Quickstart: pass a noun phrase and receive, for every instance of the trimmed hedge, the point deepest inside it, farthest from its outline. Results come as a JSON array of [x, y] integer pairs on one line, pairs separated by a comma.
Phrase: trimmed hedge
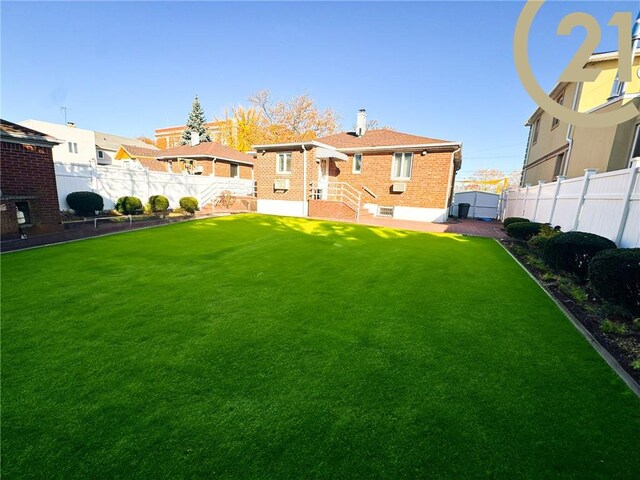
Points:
[[158, 203], [189, 204], [572, 251], [509, 220], [538, 243], [523, 230], [85, 203], [129, 205], [615, 277]]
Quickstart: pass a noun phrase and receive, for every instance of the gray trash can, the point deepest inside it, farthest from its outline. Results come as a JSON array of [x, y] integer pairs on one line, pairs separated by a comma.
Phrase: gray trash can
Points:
[[463, 210]]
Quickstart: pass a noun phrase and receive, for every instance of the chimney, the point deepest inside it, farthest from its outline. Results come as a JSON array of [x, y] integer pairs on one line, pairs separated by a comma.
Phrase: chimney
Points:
[[361, 122], [71, 124], [195, 138]]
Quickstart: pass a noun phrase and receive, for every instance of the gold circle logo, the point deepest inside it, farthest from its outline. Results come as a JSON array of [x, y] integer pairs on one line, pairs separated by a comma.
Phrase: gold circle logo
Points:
[[521, 58]]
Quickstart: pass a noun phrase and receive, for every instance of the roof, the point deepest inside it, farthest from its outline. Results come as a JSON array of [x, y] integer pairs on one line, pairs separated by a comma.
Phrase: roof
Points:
[[136, 151], [378, 138], [206, 149], [108, 141], [12, 132]]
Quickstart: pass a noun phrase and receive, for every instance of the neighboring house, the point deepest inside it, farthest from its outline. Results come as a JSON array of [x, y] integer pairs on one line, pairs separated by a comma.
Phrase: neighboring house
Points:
[[556, 148], [27, 181], [348, 175], [83, 146], [168, 137], [206, 158]]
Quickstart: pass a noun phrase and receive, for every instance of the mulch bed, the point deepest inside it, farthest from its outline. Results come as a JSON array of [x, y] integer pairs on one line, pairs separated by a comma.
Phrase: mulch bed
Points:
[[625, 348]]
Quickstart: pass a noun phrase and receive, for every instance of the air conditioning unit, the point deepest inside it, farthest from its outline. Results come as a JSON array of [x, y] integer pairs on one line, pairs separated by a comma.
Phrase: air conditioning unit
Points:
[[399, 187], [281, 184]]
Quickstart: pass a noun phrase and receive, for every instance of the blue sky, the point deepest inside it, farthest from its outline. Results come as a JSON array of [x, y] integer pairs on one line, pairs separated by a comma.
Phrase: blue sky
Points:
[[439, 69]]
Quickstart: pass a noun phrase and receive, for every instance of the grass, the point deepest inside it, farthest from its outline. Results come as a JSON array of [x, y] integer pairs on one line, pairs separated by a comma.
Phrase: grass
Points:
[[266, 347]]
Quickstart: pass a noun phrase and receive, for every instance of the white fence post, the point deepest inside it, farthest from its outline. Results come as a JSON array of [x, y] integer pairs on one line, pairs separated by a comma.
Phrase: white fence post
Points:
[[588, 172], [535, 207], [559, 181], [526, 197], [627, 199]]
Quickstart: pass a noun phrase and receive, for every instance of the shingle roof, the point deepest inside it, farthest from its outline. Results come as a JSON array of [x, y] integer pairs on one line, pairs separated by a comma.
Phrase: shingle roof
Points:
[[377, 138], [24, 134], [208, 149], [136, 151]]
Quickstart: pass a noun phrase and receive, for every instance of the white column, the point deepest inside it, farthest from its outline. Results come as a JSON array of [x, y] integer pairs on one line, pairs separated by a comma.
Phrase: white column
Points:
[[588, 172], [631, 181], [535, 208], [559, 180]]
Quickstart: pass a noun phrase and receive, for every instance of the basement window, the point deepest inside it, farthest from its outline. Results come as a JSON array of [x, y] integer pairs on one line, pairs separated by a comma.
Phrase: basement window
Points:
[[385, 211]]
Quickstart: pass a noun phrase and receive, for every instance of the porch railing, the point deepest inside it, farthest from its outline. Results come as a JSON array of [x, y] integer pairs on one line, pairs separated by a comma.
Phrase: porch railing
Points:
[[338, 192]]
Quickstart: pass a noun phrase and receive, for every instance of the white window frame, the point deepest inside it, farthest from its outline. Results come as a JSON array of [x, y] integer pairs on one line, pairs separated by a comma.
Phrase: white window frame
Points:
[[70, 145], [633, 144], [560, 101], [359, 170], [283, 171], [393, 165], [237, 167], [100, 154]]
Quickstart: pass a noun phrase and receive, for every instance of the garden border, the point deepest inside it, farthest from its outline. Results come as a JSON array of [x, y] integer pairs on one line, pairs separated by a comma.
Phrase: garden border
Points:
[[597, 346]]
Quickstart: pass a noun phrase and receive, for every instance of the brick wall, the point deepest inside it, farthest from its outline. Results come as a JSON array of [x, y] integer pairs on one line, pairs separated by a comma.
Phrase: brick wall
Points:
[[265, 176], [223, 169], [28, 170], [329, 209], [427, 188]]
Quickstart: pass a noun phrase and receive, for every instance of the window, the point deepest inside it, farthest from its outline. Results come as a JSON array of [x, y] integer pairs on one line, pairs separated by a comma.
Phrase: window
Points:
[[283, 163], [357, 163], [557, 170], [100, 154], [73, 147], [635, 146], [560, 100], [234, 170], [401, 168], [536, 130]]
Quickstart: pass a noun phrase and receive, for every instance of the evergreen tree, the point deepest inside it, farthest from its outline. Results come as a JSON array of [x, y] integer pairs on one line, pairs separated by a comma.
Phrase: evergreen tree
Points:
[[195, 122]]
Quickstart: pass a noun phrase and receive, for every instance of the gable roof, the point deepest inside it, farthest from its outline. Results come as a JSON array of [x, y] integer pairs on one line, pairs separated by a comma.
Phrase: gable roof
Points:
[[206, 149], [14, 133], [108, 141], [379, 138]]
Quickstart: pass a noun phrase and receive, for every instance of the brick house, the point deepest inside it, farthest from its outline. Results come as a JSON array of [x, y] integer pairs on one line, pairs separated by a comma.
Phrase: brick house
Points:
[[353, 174], [27, 181], [206, 158]]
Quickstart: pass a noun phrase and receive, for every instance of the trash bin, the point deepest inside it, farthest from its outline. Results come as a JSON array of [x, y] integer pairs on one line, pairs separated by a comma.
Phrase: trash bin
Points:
[[463, 210]]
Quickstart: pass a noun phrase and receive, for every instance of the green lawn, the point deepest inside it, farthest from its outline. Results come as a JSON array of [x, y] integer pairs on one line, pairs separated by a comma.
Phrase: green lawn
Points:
[[266, 347]]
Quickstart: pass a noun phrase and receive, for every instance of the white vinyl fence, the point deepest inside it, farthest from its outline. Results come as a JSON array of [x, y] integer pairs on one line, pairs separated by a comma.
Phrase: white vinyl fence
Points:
[[114, 182], [607, 204]]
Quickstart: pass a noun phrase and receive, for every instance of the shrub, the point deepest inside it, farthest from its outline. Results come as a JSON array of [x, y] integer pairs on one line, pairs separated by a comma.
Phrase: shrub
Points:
[[158, 204], [509, 220], [129, 205], [85, 203], [189, 204], [608, 326], [615, 276], [523, 230], [538, 242], [573, 251]]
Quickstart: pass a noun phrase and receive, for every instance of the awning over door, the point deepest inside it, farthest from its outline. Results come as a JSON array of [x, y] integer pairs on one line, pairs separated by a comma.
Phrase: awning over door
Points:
[[322, 152]]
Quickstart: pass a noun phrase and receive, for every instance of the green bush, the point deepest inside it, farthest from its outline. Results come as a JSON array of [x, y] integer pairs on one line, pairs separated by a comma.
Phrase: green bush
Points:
[[615, 277], [158, 204], [189, 204], [129, 205], [523, 230], [85, 203], [509, 220], [572, 251], [538, 242]]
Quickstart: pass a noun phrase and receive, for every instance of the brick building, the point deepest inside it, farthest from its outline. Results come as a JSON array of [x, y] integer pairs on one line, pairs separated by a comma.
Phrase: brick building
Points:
[[169, 137], [27, 181], [354, 174]]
